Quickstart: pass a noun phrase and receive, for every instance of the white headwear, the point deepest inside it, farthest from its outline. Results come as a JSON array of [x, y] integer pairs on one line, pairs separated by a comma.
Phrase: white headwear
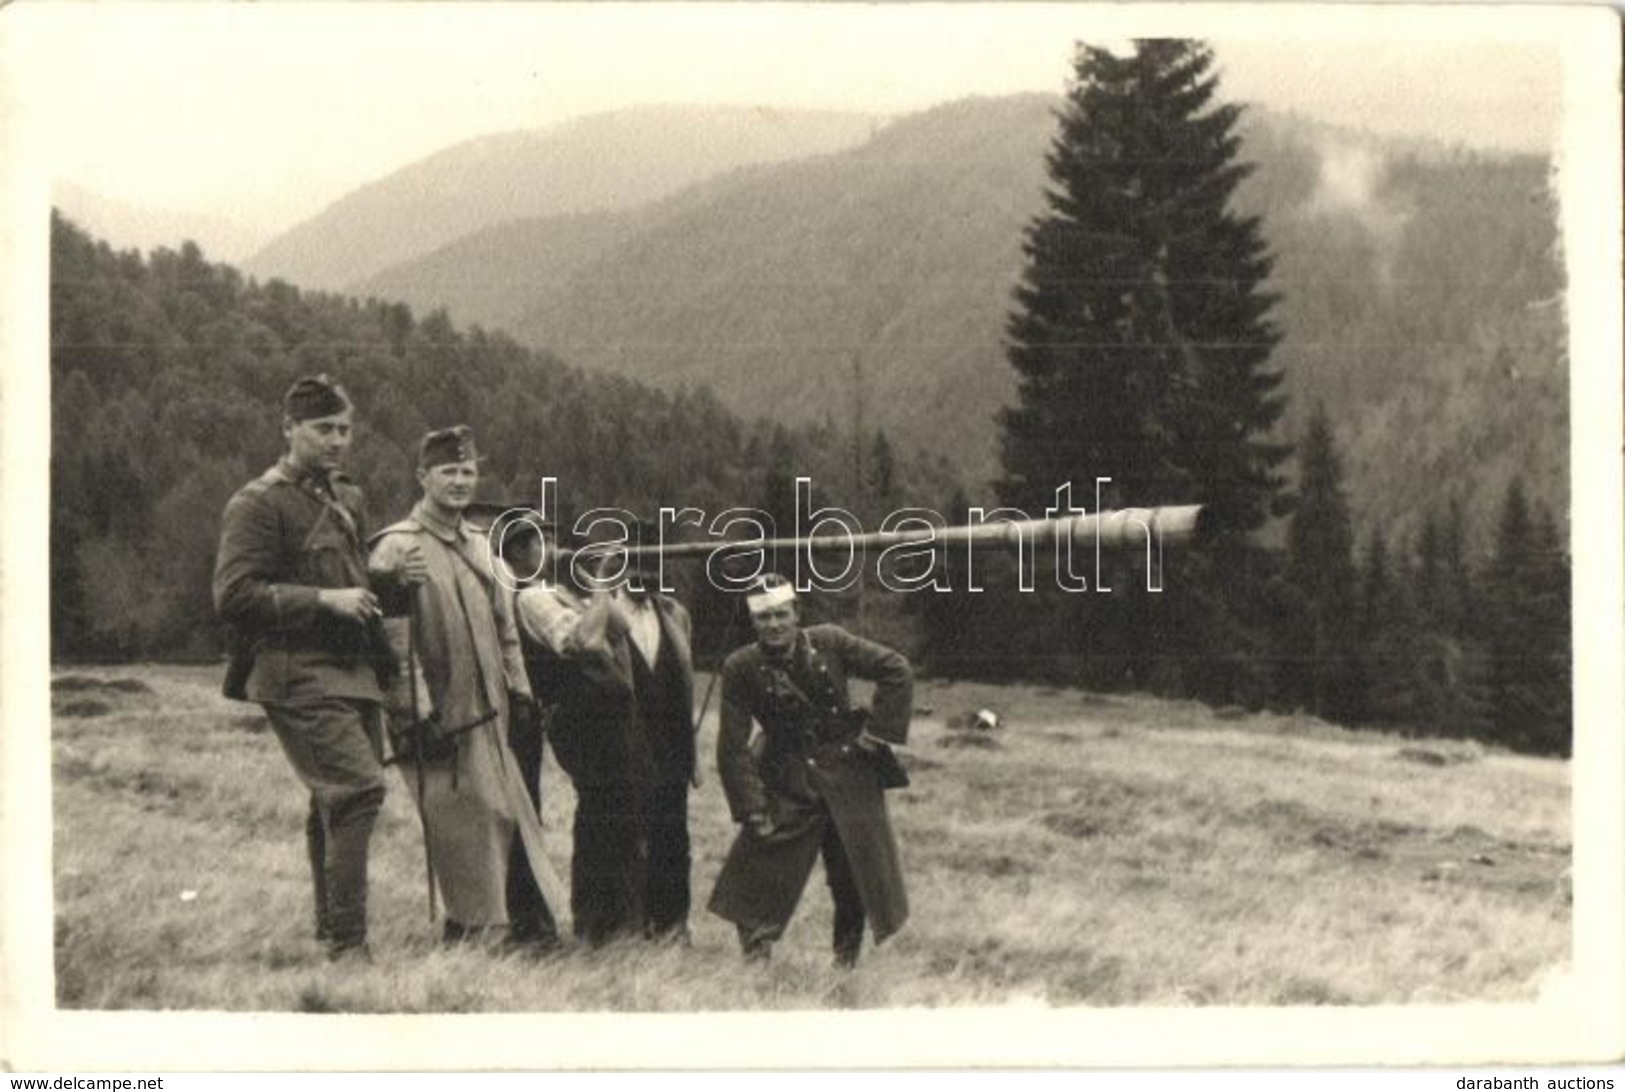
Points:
[[773, 592]]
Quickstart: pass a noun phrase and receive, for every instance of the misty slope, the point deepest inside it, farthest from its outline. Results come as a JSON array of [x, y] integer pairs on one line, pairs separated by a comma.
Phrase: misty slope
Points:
[[767, 282], [900, 253], [1422, 302], [1418, 291], [494, 277], [604, 161], [142, 227]]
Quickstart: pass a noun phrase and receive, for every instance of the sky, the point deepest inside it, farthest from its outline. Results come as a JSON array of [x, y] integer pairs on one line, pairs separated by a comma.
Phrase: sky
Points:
[[264, 113]]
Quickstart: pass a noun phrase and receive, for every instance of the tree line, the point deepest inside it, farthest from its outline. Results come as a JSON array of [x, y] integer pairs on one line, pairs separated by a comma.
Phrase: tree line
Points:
[[1143, 341], [167, 376], [1142, 338]]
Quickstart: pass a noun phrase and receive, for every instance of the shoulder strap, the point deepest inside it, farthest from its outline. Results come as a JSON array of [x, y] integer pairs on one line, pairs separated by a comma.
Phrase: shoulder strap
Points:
[[343, 515], [403, 527], [817, 669], [486, 578]]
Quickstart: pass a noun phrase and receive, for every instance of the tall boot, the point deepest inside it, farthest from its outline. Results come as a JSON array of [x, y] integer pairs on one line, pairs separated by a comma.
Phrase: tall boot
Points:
[[348, 833], [848, 941], [843, 890], [756, 941], [316, 850]]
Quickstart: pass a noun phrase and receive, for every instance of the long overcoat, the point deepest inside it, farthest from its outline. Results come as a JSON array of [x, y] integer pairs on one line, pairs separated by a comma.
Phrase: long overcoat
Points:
[[809, 772], [468, 662]]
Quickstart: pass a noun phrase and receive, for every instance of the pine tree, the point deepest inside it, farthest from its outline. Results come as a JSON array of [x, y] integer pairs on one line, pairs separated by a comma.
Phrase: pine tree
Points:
[[1513, 689], [1450, 692], [1320, 565], [1527, 620], [1140, 346], [1550, 578], [1457, 604], [1393, 638], [1428, 576], [166, 381], [1528, 630], [882, 490], [1140, 341], [1375, 614], [946, 622]]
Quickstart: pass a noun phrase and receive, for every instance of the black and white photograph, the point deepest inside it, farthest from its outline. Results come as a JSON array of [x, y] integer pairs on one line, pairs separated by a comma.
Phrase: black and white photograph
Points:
[[564, 536]]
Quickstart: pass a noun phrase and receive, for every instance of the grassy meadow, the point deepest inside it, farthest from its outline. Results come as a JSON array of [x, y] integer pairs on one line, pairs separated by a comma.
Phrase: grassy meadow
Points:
[[1093, 850]]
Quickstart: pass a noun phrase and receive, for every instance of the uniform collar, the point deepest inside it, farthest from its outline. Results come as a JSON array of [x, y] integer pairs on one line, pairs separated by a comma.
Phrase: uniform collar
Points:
[[794, 654], [297, 476], [439, 528]]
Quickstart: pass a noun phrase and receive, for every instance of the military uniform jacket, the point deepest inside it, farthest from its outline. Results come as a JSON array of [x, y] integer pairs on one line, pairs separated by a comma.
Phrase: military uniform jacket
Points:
[[283, 539], [819, 665], [810, 772]]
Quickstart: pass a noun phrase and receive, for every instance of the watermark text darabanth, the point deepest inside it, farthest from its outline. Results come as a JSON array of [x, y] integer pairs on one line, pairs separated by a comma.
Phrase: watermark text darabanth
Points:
[[828, 545]]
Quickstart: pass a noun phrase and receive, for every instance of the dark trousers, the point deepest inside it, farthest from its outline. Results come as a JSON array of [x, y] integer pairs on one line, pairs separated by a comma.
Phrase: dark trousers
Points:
[[667, 863], [843, 889], [789, 861], [529, 920], [335, 746], [629, 873]]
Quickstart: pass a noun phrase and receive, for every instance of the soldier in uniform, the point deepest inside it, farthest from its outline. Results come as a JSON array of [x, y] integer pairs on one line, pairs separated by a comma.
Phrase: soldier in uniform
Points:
[[816, 786], [452, 628], [290, 580]]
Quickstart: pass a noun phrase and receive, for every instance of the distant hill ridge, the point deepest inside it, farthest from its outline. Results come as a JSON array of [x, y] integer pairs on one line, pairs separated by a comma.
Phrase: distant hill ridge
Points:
[[1420, 284], [604, 161], [768, 281], [1418, 287]]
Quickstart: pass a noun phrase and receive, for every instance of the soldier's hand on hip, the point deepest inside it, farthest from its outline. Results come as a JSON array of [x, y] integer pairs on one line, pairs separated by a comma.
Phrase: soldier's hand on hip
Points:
[[356, 604], [760, 823]]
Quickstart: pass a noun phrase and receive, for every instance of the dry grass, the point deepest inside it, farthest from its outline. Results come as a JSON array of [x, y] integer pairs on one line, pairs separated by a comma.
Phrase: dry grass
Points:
[[1092, 851]]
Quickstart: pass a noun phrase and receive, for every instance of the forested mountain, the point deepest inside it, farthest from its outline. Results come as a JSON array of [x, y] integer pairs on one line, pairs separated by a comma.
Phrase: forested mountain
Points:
[[600, 162], [1419, 294], [167, 374], [856, 304], [900, 253], [1422, 303], [494, 276]]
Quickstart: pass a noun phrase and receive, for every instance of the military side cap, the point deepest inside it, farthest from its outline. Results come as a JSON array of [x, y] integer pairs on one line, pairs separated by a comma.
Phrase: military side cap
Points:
[[314, 396], [447, 445]]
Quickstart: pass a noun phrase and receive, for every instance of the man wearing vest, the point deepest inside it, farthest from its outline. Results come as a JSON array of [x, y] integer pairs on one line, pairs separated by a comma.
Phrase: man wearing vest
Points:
[[617, 664], [461, 679], [816, 786], [290, 580]]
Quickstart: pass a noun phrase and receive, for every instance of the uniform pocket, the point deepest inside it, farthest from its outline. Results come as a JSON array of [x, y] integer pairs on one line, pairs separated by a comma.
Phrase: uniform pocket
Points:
[[327, 560]]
